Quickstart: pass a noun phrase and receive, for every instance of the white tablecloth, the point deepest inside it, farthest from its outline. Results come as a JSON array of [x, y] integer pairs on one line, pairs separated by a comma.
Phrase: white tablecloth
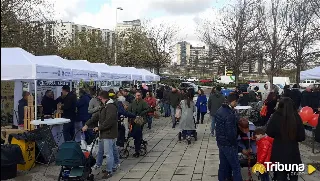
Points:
[[57, 127]]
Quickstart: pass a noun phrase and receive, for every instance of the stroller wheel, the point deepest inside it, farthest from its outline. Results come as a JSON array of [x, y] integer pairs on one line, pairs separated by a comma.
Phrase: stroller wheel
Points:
[[143, 150], [179, 136], [91, 177], [124, 153], [189, 141]]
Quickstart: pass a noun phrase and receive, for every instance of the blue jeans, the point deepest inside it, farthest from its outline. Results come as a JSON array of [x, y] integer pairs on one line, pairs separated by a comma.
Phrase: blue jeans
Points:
[[100, 154], [166, 109], [173, 116], [264, 177], [112, 154], [229, 161], [212, 125], [149, 120]]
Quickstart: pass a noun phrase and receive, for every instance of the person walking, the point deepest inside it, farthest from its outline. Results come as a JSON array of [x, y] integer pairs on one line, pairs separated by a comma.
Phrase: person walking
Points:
[[201, 106], [22, 103], [226, 136], [108, 129], [166, 95], [140, 108], [215, 101], [174, 101], [68, 107], [270, 103], [48, 103], [187, 124], [286, 127], [295, 95], [152, 102], [82, 114]]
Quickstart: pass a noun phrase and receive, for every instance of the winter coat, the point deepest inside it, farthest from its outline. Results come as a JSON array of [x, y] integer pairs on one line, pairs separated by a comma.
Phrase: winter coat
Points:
[[107, 118], [166, 96], [202, 103], [174, 99], [152, 102], [159, 94], [226, 126], [252, 96], [21, 105], [82, 108], [271, 105], [69, 106], [284, 151], [123, 112], [306, 99], [215, 101], [49, 105], [139, 108], [264, 148], [186, 120], [295, 95], [129, 98]]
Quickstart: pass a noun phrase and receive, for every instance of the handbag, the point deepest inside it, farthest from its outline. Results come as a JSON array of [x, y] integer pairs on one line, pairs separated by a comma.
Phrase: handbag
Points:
[[264, 110], [139, 121], [178, 113]]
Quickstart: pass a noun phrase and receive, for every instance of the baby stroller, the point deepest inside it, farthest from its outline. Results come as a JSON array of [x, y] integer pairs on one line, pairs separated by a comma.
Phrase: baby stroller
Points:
[[125, 151], [188, 134], [75, 164]]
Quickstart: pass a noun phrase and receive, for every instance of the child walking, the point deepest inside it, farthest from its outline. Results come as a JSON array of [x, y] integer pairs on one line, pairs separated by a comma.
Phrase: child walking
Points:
[[264, 148]]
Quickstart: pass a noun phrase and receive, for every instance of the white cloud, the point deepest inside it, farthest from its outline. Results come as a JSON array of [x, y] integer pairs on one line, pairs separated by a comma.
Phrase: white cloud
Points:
[[72, 10]]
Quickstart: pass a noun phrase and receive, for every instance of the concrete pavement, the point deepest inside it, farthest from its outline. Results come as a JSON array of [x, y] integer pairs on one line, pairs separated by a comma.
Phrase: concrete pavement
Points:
[[169, 160]]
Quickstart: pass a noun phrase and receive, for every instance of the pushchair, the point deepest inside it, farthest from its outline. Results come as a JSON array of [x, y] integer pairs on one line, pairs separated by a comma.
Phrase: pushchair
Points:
[[125, 151], [192, 133], [75, 163]]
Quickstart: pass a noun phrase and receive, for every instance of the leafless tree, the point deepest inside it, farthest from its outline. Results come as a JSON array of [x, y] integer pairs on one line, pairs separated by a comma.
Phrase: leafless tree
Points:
[[23, 24], [233, 37], [275, 30], [159, 40], [305, 34]]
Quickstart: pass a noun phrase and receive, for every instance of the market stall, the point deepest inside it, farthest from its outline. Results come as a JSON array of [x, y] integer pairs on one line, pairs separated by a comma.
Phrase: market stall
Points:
[[313, 74]]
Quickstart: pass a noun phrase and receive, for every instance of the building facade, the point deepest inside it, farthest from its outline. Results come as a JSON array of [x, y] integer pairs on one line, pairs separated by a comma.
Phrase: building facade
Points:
[[182, 53], [128, 26], [198, 56]]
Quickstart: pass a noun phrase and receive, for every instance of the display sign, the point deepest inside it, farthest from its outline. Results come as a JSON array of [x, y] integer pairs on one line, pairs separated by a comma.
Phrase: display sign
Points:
[[52, 83]]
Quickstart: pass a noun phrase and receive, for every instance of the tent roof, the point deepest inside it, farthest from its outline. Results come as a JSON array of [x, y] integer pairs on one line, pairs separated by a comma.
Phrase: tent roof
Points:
[[311, 74], [18, 64]]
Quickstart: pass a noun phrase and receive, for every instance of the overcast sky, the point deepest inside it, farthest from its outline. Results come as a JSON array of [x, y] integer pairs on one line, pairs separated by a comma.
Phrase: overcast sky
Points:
[[102, 13]]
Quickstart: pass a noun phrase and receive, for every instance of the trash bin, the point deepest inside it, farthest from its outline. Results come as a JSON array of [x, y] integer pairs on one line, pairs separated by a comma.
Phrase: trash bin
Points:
[[11, 155]]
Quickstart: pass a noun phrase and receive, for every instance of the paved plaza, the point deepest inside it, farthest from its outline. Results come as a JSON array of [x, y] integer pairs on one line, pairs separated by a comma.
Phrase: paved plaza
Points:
[[170, 160]]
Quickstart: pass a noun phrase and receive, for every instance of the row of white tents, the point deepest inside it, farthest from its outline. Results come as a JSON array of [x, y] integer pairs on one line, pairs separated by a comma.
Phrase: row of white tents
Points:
[[18, 64]]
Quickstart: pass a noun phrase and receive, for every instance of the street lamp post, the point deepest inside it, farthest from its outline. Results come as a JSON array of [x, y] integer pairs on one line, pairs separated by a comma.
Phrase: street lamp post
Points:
[[116, 35]]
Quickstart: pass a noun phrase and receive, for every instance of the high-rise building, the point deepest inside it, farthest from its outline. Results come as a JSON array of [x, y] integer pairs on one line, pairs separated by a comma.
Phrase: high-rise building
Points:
[[182, 53], [66, 31], [198, 55], [128, 26]]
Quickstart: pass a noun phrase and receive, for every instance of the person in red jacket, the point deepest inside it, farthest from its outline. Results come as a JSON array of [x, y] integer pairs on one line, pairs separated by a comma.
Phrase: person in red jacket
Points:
[[152, 102], [264, 148]]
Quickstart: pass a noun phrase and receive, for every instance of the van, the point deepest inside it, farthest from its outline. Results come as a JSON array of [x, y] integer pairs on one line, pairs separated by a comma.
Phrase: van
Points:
[[307, 83]]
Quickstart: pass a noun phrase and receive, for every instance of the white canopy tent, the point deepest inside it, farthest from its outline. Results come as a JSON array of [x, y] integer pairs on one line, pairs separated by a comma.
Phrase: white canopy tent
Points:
[[18, 64], [54, 60], [148, 76], [86, 67], [104, 71], [135, 73], [310, 74], [119, 74]]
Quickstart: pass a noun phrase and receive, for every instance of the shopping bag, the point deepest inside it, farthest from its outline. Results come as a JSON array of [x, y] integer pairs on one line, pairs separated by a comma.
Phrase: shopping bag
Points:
[[95, 148], [178, 113]]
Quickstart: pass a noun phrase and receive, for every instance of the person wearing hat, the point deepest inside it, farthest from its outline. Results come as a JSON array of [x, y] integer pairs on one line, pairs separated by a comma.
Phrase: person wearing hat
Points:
[[226, 136]]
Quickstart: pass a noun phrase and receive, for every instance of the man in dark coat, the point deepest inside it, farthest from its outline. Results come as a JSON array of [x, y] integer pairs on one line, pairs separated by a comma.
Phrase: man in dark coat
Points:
[[48, 103], [215, 101], [226, 136], [69, 112], [295, 95], [83, 114], [22, 103], [174, 101], [166, 104]]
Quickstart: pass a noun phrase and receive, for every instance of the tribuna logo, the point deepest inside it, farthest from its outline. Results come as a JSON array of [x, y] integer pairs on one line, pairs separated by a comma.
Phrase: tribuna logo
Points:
[[278, 167]]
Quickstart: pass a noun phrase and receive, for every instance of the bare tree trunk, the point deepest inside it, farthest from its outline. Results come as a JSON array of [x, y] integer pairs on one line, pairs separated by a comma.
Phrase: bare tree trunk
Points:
[[298, 72]]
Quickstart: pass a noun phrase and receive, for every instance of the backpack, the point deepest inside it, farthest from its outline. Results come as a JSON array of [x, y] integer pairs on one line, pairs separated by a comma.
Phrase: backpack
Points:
[[264, 110]]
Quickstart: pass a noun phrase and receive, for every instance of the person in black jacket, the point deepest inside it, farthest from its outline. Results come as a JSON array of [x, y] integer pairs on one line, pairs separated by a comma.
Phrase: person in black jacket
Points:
[[271, 103], [22, 103], [48, 103], [69, 112], [295, 95], [226, 136], [286, 127]]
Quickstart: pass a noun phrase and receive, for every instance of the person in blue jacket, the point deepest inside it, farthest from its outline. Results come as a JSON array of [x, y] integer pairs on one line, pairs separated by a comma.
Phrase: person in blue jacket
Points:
[[122, 114], [201, 106], [82, 112]]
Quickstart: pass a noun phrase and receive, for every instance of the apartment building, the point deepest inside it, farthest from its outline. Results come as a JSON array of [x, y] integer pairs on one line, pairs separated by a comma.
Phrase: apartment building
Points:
[[182, 53], [128, 26], [198, 55]]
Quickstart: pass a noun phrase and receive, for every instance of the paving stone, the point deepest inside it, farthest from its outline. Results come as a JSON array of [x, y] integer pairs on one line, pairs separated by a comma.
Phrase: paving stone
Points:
[[148, 160], [163, 175], [181, 177], [135, 174], [196, 176], [142, 166], [187, 163], [184, 170], [209, 178], [154, 154]]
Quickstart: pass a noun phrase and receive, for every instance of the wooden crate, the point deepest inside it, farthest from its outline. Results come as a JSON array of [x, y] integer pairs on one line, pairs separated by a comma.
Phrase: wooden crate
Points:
[[30, 100], [28, 117]]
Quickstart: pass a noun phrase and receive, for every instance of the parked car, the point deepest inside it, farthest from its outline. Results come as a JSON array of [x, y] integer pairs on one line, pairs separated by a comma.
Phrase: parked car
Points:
[[187, 85], [192, 79], [307, 83]]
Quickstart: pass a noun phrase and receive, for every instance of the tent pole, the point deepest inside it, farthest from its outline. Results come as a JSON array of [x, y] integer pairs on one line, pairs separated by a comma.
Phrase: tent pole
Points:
[[35, 100]]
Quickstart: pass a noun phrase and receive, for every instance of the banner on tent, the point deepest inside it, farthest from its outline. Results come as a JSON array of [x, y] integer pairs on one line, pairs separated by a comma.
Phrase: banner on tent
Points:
[[136, 77], [52, 83], [149, 78], [106, 76], [121, 77]]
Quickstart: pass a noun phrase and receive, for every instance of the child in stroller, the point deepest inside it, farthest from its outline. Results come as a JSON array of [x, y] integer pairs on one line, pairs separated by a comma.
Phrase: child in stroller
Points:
[[187, 122], [75, 164]]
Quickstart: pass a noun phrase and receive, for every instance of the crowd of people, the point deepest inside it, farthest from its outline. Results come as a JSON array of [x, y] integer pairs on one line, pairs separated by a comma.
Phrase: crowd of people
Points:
[[277, 136]]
